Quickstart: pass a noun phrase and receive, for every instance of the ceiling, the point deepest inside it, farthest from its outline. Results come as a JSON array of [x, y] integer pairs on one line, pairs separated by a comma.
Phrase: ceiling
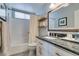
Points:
[[38, 8]]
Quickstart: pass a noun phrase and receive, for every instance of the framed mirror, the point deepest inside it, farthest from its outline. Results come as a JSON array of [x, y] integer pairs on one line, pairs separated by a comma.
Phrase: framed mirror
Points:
[[65, 18]]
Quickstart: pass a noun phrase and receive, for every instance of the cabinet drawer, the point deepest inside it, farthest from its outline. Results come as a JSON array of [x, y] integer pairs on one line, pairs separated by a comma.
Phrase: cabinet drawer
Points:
[[42, 51], [57, 51], [44, 44], [75, 47], [63, 52]]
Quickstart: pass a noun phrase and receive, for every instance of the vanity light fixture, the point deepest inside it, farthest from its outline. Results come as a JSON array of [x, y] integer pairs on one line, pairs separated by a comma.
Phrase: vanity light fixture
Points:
[[56, 6], [52, 6], [66, 4]]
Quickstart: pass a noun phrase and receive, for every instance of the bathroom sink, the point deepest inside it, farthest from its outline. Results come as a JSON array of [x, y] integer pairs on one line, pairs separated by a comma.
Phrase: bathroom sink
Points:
[[49, 37]]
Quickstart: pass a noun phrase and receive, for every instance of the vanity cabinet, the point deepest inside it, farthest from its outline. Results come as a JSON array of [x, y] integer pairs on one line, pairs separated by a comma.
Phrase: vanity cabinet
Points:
[[42, 48], [57, 51], [47, 49]]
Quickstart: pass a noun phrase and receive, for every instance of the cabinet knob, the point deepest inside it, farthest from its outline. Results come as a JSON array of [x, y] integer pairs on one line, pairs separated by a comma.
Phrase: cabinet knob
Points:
[[40, 43], [58, 54]]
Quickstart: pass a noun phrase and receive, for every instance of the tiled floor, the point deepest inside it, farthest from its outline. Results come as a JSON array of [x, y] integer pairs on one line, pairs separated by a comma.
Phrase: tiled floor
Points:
[[21, 54], [26, 53]]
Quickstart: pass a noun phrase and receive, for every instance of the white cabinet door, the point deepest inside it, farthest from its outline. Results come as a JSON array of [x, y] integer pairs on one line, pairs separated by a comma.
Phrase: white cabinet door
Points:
[[45, 48], [63, 52], [45, 52], [42, 48], [49, 49], [52, 50], [41, 51]]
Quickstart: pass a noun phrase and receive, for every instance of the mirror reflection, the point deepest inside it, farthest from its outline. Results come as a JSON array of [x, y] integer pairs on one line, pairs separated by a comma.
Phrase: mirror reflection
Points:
[[64, 16]]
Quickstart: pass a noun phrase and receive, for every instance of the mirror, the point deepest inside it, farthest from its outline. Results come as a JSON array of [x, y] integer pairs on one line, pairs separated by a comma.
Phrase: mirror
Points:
[[66, 17]]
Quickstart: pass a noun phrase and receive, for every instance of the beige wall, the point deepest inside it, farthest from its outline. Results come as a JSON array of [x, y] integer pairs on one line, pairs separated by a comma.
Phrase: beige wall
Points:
[[5, 37], [33, 32]]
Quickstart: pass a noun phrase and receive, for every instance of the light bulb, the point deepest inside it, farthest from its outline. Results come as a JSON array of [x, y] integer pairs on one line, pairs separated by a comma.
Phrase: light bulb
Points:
[[52, 6], [66, 4]]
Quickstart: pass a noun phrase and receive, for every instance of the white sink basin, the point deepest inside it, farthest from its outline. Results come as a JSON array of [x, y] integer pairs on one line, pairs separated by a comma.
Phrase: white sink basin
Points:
[[50, 37]]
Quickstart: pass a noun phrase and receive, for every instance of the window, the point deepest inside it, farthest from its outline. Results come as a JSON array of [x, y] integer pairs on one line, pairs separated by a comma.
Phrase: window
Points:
[[21, 15], [2, 12]]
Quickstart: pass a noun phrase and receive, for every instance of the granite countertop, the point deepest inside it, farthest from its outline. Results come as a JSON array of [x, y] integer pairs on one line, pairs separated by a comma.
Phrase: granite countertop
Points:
[[65, 39], [58, 42]]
